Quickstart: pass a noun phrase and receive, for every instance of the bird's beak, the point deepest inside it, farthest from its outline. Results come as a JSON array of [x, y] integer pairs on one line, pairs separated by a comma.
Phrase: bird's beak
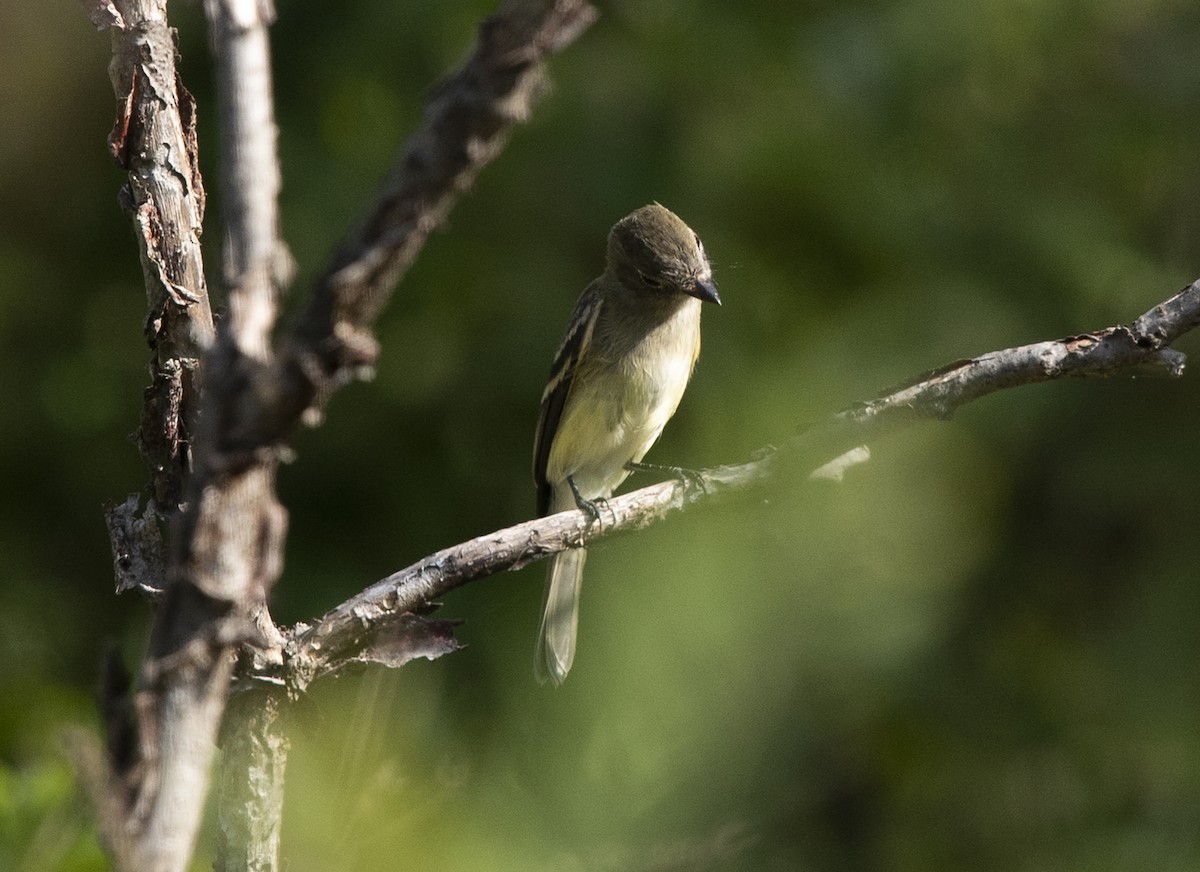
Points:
[[706, 291]]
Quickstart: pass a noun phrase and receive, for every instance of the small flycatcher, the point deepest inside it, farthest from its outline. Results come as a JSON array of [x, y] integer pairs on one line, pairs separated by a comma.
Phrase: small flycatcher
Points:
[[616, 381]]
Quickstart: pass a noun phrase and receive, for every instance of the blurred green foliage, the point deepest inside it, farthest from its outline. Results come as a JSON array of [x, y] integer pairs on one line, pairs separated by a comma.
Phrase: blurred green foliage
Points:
[[976, 652]]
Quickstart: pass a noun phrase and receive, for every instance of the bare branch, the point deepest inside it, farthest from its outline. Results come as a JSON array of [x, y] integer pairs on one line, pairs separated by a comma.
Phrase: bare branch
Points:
[[1170, 319], [256, 261], [227, 547], [1139, 349], [154, 139], [334, 639], [253, 766], [468, 119]]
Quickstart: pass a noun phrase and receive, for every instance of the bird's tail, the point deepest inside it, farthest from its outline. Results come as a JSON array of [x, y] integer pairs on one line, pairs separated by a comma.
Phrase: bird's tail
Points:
[[560, 617]]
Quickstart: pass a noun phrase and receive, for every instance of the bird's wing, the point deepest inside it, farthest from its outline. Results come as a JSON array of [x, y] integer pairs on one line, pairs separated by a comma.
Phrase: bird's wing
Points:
[[554, 399]]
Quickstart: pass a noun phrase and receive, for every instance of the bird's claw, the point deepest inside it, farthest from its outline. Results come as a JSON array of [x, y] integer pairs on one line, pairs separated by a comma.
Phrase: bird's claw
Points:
[[692, 477], [591, 508]]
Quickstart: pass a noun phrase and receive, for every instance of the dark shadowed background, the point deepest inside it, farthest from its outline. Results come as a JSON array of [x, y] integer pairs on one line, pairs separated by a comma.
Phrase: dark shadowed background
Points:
[[979, 651]]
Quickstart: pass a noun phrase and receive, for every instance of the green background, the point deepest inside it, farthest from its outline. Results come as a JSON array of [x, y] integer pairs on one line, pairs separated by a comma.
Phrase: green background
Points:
[[979, 651]]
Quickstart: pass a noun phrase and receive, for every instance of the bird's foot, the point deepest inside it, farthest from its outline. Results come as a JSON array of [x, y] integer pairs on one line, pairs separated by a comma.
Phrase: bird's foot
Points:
[[591, 508]]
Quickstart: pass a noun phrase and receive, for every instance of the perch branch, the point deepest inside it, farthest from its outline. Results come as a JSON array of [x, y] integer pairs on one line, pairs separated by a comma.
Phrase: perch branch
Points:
[[352, 628]]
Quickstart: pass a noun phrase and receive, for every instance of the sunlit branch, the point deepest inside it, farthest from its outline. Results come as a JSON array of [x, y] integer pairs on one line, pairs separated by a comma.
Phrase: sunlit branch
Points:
[[346, 632]]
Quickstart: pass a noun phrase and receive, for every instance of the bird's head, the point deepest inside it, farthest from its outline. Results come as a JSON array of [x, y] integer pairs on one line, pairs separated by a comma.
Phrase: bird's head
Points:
[[652, 251]]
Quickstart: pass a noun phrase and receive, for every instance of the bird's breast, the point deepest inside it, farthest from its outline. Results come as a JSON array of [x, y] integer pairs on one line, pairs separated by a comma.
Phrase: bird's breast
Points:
[[620, 402]]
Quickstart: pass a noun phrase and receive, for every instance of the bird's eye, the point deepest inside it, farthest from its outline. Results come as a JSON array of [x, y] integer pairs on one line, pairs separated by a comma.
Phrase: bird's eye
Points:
[[699, 244], [649, 281]]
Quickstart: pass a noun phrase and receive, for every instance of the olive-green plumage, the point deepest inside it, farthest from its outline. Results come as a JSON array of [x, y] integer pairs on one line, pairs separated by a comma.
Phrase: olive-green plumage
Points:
[[617, 379]]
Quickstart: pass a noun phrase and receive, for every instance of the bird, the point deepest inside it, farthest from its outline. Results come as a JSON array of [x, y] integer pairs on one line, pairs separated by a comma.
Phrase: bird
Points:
[[617, 378]]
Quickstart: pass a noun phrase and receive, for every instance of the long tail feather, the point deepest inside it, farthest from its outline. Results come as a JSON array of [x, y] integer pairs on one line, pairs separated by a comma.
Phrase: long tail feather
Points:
[[560, 617]]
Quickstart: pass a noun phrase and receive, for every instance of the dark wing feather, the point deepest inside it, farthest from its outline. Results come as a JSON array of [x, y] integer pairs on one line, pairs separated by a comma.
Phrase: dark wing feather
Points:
[[574, 345]]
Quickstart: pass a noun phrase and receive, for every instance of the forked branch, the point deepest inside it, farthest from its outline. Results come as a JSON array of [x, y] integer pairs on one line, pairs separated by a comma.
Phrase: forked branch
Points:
[[218, 469]]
